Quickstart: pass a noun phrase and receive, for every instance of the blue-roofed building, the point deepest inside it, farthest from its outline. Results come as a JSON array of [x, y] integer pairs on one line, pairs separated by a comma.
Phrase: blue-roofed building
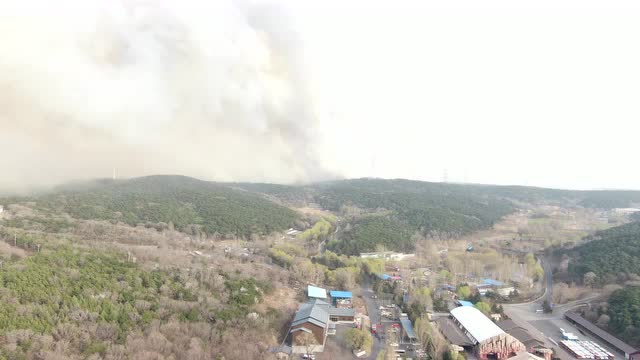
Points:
[[464, 303], [341, 294], [341, 299], [384, 277], [314, 292]]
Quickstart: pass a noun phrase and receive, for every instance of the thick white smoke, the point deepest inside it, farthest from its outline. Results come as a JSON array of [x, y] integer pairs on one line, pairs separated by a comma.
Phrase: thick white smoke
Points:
[[214, 89]]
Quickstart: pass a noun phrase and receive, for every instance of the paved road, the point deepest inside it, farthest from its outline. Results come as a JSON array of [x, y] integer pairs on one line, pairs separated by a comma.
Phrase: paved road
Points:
[[548, 275], [374, 316]]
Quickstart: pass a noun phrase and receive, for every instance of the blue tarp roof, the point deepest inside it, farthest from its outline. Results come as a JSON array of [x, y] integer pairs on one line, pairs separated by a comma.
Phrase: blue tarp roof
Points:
[[465, 303], [384, 276], [493, 282], [341, 294], [316, 292]]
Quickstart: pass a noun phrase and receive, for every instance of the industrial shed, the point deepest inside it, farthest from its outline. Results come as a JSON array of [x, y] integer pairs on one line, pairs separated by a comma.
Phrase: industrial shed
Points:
[[489, 340], [408, 335], [602, 335]]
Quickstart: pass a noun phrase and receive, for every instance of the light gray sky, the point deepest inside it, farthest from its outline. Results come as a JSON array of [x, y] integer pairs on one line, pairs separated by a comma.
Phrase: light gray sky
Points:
[[510, 92], [506, 92]]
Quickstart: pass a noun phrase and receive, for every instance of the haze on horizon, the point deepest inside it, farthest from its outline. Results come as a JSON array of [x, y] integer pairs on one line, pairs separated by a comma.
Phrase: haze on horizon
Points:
[[537, 93]]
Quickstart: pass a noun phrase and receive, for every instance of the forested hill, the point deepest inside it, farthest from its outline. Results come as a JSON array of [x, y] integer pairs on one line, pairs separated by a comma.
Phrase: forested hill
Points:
[[610, 254], [377, 211], [401, 208], [188, 204], [363, 192], [389, 212]]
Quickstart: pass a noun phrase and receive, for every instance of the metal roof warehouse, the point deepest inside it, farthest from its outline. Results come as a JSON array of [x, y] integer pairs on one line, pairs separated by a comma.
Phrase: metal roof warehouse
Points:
[[601, 334], [477, 326]]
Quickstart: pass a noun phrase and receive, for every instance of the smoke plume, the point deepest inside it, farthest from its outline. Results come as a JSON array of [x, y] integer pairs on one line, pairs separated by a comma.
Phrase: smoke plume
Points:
[[212, 89]]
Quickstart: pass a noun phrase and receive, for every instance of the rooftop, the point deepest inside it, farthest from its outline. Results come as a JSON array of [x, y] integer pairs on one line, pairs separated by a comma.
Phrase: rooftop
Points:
[[476, 323], [341, 312], [341, 294], [309, 312], [452, 332], [492, 282], [614, 341], [408, 327], [465, 303], [525, 337], [316, 292], [507, 325]]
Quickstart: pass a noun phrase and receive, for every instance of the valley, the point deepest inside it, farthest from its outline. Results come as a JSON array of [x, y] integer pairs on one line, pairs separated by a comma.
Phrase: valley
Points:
[[227, 259]]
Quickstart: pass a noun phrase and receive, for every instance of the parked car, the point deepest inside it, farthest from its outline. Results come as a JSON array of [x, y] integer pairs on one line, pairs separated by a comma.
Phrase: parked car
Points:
[[309, 356]]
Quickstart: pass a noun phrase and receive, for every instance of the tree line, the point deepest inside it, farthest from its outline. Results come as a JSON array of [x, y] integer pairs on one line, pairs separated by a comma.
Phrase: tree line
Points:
[[186, 204]]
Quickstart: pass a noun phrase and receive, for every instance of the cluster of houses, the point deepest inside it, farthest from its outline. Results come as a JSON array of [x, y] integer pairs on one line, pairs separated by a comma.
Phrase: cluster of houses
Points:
[[491, 285]]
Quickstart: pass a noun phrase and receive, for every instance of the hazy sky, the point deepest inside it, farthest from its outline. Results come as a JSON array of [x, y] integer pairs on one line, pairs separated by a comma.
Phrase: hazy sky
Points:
[[538, 92], [511, 92]]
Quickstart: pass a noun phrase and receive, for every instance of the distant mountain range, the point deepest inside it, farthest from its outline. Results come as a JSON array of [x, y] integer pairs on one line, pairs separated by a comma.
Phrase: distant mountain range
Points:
[[378, 211]]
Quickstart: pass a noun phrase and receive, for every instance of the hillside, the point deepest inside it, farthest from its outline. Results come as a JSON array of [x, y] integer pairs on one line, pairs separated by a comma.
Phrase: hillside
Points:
[[404, 208], [389, 212], [334, 193], [609, 253], [189, 205], [374, 211], [71, 302]]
